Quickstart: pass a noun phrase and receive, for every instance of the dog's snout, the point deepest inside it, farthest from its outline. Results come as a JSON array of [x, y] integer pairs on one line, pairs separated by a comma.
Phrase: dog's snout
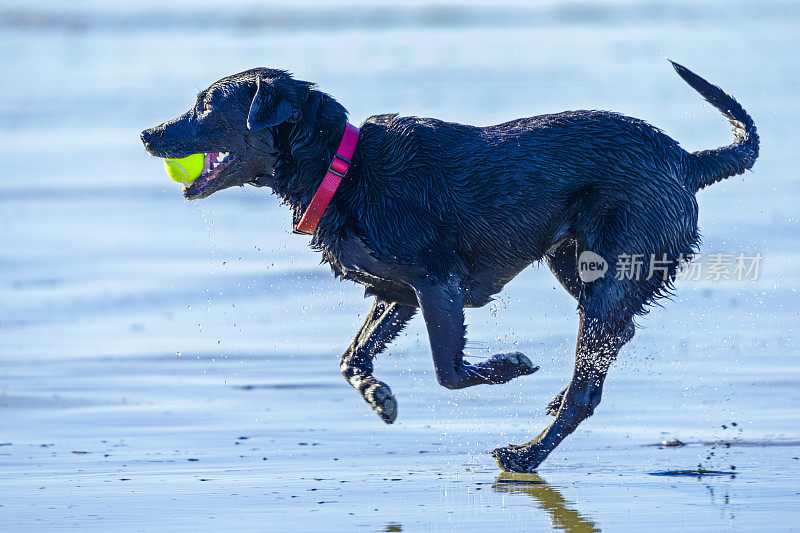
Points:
[[146, 136]]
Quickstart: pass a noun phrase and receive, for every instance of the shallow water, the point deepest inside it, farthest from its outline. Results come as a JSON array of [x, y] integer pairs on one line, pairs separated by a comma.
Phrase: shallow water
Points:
[[172, 364]]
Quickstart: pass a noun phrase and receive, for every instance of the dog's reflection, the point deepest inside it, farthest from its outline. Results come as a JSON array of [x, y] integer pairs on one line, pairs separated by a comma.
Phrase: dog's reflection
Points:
[[562, 514]]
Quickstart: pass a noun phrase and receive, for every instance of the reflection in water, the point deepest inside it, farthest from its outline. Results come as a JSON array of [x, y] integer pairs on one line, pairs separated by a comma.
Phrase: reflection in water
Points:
[[562, 513], [699, 472]]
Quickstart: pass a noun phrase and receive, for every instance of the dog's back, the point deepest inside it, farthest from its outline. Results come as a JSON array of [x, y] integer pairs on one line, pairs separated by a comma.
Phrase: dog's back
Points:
[[501, 193]]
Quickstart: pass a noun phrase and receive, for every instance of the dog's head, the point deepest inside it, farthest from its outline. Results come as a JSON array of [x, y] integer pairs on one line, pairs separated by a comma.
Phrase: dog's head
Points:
[[232, 123]]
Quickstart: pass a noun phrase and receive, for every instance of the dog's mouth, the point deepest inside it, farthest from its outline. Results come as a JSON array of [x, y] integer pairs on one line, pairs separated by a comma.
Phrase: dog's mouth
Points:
[[216, 166]]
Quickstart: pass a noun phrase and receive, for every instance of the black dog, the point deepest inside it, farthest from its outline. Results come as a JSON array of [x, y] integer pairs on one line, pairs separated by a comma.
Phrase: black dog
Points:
[[440, 216]]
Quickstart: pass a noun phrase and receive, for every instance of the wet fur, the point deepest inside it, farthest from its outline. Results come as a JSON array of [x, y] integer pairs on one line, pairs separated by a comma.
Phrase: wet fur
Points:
[[440, 216]]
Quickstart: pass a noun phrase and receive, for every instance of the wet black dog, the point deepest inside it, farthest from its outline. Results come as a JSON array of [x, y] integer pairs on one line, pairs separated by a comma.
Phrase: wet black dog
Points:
[[440, 216]]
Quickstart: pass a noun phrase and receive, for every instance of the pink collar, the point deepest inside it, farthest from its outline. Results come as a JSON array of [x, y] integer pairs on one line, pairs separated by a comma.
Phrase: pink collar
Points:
[[333, 177]]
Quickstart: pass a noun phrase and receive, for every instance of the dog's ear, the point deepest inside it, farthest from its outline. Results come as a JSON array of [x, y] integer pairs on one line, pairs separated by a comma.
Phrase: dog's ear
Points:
[[276, 102]]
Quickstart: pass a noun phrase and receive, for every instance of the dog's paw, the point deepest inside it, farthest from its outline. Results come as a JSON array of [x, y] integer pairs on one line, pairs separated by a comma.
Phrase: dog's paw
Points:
[[525, 365], [509, 459], [523, 459], [504, 367], [379, 396], [555, 403]]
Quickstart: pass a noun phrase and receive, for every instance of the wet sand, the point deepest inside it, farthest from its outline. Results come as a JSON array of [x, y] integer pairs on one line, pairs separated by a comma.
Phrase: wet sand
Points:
[[167, 364], [148, 442]]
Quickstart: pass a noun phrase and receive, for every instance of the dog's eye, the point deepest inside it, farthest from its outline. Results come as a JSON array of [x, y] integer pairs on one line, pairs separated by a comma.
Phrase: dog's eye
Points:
[[206, 107]]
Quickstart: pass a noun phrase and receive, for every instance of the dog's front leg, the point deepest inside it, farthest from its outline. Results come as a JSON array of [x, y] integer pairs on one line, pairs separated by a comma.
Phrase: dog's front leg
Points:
[[384, 321], [443, 309]]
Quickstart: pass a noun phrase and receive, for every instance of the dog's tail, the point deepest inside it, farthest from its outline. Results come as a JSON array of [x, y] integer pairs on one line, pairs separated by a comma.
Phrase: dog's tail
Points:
[[710, 166]]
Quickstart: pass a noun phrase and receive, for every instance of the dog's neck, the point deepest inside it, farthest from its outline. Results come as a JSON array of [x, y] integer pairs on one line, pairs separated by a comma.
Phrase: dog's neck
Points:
[[305, 150]]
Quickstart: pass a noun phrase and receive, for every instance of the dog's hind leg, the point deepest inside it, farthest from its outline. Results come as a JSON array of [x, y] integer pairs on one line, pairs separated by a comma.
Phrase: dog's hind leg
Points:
[[555, 404], [384, 321], [598, 344], [606, 308], [443, 309], [563, 262]]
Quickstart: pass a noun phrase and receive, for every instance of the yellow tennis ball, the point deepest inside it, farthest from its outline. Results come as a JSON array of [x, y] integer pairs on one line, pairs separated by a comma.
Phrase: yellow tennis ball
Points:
[[185, 169]]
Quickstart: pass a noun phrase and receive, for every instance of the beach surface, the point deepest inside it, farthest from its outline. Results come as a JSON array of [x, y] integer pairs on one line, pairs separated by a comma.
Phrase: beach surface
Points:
[[175, 365]]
